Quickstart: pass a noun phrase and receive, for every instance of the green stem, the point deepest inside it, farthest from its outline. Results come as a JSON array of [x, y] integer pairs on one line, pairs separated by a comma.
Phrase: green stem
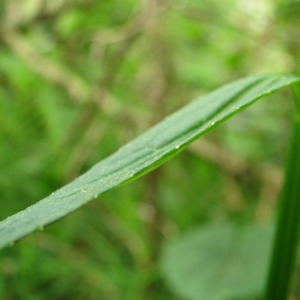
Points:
[[286, 236]]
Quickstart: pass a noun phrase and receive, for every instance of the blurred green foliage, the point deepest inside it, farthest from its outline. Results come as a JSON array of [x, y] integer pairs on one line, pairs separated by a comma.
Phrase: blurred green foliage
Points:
[[80, 78]]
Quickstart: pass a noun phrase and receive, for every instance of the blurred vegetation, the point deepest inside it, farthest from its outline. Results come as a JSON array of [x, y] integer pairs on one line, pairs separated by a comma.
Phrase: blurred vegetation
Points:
[[80, 78]]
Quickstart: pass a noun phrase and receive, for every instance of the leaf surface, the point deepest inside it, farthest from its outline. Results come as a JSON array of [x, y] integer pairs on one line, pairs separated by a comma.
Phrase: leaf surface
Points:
[[144, 153], [219, 262]]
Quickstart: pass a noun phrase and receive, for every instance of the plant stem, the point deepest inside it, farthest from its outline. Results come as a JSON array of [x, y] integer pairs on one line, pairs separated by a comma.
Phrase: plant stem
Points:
[[286, 236]]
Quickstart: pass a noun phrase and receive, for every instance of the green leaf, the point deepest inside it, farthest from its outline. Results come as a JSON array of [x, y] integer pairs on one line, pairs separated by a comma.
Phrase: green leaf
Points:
[[287, 232], [144, 153], [219, 262]]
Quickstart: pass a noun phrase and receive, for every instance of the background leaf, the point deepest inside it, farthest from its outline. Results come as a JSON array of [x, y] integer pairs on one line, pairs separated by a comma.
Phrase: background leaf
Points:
[[219, 262]]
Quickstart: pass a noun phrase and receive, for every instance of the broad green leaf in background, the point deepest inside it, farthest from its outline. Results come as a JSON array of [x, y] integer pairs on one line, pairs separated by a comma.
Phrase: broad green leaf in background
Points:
[[144, 153], [219, 262]]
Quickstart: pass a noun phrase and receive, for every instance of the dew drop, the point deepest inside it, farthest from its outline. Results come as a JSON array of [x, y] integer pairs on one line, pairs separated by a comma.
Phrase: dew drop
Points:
[[212, 123], [177, 146]]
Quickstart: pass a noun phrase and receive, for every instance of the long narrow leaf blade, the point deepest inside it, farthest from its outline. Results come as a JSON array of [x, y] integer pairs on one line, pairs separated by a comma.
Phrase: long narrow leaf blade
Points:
[[144, 153]]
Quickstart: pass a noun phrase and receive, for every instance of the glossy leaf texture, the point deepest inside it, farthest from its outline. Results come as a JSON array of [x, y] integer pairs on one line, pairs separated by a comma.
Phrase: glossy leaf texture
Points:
[[144, 153]]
